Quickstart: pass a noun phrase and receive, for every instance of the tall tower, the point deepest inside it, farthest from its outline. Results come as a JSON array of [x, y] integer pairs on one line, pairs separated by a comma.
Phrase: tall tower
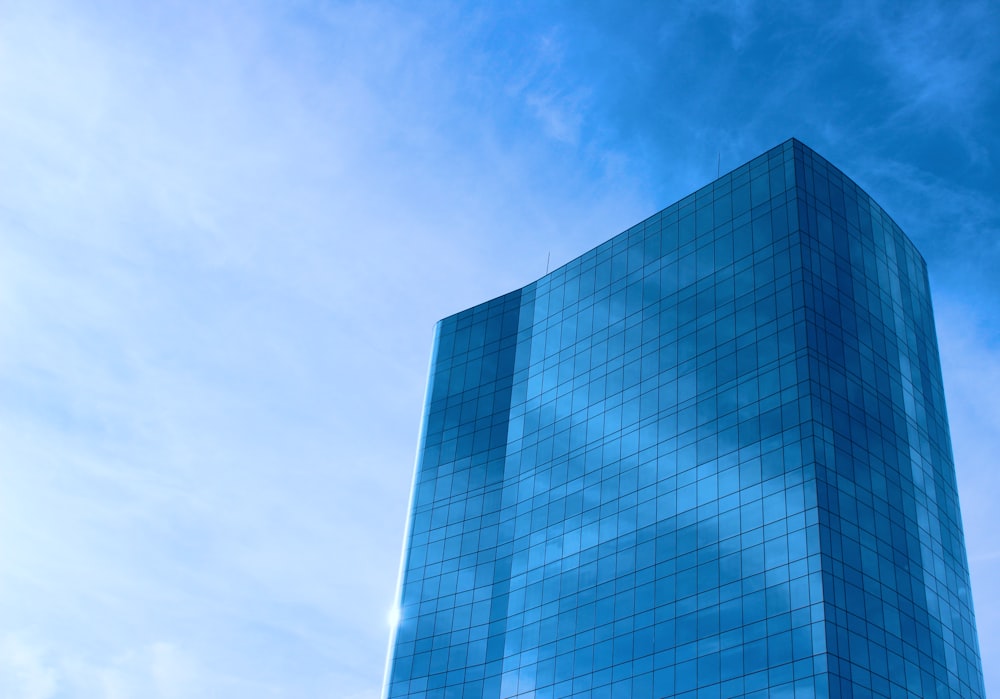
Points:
[[709, 458]]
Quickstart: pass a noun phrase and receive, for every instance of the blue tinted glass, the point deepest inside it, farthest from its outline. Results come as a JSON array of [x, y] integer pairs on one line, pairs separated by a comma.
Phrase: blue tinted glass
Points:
[[706, 459]]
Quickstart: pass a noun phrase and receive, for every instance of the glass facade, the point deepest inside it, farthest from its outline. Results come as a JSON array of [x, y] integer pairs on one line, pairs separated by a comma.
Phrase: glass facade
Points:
[[707, 459]]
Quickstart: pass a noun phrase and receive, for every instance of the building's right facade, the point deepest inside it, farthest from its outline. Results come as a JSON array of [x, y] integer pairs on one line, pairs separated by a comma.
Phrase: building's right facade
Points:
[[708, 459], [897, 603]]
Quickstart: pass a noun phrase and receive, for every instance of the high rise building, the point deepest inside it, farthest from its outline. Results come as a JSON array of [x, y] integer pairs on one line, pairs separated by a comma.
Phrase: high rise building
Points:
[[709, 458]]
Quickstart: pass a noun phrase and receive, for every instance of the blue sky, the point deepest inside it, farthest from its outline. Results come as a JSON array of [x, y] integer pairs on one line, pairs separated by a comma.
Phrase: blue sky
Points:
[[227, 229]]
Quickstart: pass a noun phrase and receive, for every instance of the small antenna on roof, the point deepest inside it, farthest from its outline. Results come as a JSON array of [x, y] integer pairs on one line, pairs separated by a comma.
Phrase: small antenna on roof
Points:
[[548, 256]]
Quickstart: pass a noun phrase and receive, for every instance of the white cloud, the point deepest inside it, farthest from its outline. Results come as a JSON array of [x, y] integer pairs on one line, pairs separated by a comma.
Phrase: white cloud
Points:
[[159, 670], [226, 234], [226, 239], [24, 673]]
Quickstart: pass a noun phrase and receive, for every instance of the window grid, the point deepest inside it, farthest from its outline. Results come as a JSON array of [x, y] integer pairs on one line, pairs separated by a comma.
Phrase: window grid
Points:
[[708, 458]]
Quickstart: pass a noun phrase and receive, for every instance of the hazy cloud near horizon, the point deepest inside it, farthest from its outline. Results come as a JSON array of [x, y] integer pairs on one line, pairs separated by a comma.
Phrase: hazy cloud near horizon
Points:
[[226, 233]]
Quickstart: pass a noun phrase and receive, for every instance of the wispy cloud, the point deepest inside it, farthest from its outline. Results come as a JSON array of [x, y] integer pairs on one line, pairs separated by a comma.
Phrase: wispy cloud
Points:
[[24, 672], [226, 234], [226, 239], [159, 670]]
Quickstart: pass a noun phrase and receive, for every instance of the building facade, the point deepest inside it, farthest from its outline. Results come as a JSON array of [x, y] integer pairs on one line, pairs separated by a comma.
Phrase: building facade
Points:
[[707, 459]]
